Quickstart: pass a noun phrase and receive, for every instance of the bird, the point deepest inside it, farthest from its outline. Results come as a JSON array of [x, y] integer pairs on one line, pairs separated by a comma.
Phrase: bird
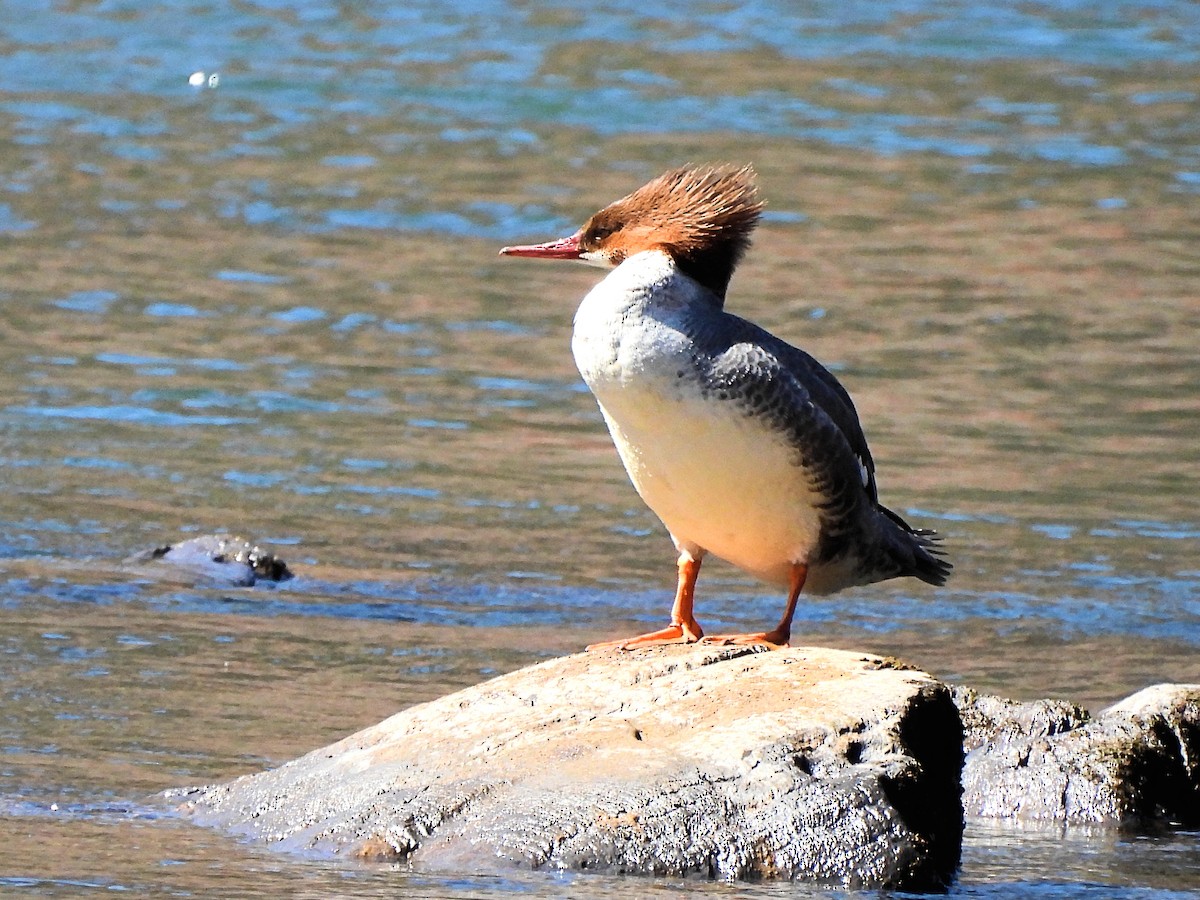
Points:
[[743, 445]]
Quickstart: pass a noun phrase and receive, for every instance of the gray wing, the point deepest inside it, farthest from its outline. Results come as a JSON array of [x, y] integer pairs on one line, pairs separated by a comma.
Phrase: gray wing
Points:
[[795, 394], [793, 391]]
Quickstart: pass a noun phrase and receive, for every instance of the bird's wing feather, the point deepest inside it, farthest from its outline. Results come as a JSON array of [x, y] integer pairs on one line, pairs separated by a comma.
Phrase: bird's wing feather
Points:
[[793, 379]]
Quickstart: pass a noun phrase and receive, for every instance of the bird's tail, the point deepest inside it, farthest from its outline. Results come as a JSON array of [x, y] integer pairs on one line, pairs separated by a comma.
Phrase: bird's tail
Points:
[[917, 551]]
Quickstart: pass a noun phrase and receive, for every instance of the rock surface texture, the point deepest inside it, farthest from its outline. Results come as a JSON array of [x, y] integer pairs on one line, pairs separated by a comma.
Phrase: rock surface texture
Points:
[[1136, 761], [727, 762]]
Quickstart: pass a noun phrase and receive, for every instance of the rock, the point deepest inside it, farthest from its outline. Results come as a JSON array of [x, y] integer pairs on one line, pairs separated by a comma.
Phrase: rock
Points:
[[726, 762], [220, 558], [1136, 761]]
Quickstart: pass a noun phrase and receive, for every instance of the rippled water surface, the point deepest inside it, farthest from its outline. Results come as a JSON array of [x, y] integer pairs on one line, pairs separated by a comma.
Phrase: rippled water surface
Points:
[[270, 303]]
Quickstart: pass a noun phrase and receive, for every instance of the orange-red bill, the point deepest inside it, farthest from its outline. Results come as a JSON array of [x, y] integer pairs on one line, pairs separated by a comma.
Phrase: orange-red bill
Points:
[[564, 248]]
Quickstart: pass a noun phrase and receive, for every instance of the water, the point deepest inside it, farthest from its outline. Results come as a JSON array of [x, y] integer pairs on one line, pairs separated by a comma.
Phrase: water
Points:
[[273, 306]]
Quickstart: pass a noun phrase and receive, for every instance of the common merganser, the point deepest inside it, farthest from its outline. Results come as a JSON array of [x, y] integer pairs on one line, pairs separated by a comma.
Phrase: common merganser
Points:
[[743, 445]]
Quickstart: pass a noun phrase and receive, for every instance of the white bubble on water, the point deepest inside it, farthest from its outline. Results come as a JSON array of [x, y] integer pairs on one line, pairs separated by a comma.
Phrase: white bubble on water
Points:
[[202, 79]]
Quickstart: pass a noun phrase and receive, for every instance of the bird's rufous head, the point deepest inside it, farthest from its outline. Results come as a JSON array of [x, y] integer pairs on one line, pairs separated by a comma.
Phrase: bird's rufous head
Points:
[[701, 216]]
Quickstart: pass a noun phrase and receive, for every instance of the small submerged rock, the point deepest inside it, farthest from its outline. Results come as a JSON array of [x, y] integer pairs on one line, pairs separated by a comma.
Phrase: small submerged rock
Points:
[[221, 558]]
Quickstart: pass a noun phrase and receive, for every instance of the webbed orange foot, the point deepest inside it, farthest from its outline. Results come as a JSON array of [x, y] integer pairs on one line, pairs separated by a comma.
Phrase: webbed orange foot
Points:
[[774, 639], [672, 634]]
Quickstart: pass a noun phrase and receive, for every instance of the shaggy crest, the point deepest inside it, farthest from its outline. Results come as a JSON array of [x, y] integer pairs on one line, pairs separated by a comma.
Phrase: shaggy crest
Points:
[[702, 216]]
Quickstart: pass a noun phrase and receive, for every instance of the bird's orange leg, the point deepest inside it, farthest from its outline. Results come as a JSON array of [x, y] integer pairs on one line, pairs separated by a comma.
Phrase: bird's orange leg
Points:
[[781, 633], [684, 629]]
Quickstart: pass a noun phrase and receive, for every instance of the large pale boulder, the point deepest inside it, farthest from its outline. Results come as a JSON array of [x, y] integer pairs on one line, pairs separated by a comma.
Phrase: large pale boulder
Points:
[[726, 762]]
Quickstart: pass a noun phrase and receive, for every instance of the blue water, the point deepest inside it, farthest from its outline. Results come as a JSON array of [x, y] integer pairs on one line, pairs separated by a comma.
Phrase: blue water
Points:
[[250, 284], [494, 75]]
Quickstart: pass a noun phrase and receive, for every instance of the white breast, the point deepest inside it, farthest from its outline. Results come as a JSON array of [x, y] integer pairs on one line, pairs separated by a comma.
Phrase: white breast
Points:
[[719, 479]]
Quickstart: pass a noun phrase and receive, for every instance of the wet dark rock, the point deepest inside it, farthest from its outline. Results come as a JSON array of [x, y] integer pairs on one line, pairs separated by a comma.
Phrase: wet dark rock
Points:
[[724, 762], [219, 558], [1135, 762]]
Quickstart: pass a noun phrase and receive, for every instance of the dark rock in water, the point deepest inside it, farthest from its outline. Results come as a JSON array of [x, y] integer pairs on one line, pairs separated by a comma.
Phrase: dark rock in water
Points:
[[1136, 761], [221, 558], [724, 762]]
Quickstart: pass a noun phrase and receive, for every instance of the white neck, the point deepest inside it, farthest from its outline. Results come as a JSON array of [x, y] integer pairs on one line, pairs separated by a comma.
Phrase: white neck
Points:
[[636, 319]]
